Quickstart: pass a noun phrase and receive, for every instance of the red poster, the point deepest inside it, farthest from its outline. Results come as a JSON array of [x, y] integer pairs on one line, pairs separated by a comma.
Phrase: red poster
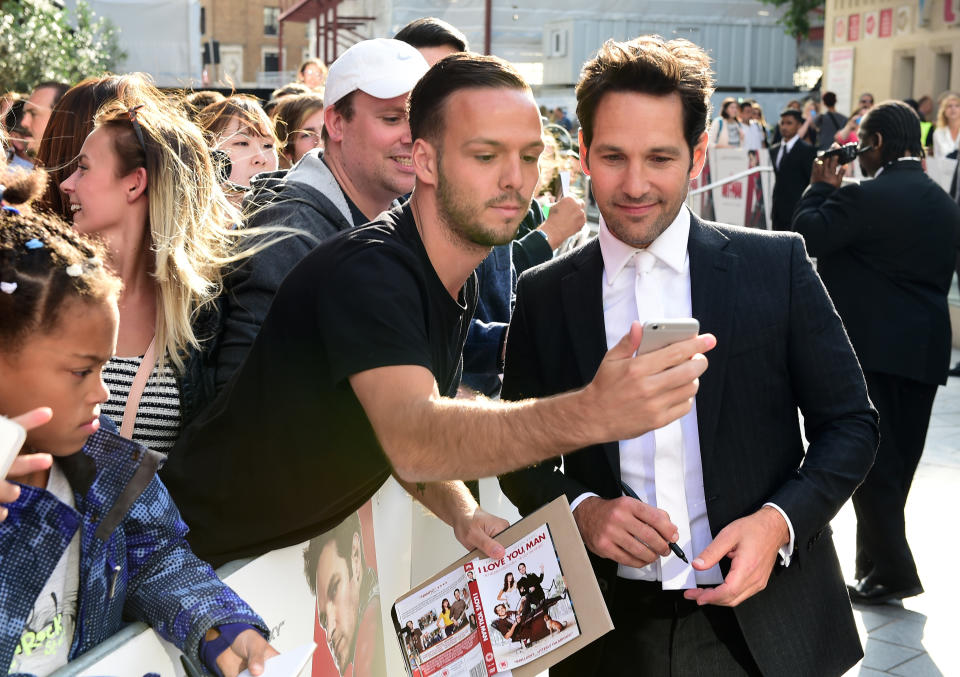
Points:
[[870, 25], [886, 23], [949, 12], [853, 28]]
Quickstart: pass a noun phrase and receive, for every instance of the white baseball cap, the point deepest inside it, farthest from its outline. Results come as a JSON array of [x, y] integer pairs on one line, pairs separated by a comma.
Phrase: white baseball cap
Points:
[[381, 67]]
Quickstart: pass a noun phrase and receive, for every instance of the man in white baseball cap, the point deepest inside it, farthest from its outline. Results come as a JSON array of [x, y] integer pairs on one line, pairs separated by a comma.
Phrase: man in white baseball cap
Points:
[[363, 168]]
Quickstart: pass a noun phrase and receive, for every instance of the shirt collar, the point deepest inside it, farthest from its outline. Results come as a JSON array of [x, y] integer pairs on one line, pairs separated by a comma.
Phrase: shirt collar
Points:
[[670, 247], [788, 146], [899, 159]]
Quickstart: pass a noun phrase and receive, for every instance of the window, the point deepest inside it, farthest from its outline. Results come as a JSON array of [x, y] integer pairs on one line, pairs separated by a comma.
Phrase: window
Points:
[[271, 61], [903, 79], [271, 21], [942, 72], [203, 21]]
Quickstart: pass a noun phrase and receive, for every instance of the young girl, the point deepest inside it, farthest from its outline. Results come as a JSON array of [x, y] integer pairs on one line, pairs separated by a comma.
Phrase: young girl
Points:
[[93, 539], [146, 185]]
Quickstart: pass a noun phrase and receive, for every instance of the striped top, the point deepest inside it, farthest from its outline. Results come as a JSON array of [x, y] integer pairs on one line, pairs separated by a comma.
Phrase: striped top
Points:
[[158, 416]]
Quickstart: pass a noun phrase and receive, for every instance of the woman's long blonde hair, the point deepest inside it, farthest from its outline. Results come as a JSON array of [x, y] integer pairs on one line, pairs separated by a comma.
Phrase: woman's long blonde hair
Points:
[[192, 225]]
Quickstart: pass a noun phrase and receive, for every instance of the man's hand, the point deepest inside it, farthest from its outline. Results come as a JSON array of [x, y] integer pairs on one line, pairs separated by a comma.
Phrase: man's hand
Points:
[[475, 529], [625, 530], [752, 544], [566, 218], [248, 652], [25, 464], [828, 171], [633, 394]]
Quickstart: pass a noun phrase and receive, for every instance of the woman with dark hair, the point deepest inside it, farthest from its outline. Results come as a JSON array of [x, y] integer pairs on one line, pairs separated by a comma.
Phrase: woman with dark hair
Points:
[[444, 621], [70, 123], [510, 594], [726, 130], [241, 129]]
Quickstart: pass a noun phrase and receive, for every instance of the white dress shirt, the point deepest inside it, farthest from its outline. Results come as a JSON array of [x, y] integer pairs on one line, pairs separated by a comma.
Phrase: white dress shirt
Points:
[[785, 148], [620, 309]]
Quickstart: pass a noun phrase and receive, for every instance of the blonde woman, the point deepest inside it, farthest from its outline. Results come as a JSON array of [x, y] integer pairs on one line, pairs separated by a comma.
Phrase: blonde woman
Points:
[[145, 184], [947, 134]]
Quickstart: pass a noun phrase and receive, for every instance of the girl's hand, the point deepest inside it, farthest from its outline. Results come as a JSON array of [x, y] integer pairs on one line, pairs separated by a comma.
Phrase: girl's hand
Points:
[[25, 464]]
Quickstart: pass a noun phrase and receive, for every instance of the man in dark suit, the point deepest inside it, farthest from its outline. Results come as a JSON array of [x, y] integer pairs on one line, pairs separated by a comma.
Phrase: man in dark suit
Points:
[[791, 158], [731, 482], [886, 252]]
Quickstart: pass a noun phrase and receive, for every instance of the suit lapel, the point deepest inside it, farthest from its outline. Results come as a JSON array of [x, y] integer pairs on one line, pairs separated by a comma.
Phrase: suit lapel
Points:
[[713, 275], [583, 317]]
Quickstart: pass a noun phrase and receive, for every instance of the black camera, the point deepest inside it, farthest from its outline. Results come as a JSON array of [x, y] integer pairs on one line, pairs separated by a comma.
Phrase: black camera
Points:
[[845, 154]]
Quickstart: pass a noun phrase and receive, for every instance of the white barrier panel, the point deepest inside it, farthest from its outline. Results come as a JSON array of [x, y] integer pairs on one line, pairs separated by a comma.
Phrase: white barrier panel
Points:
[[941, 170], [277, 586], [730, 199]]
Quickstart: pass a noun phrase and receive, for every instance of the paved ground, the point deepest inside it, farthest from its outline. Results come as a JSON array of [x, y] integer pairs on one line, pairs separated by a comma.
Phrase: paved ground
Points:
[[918, 638]]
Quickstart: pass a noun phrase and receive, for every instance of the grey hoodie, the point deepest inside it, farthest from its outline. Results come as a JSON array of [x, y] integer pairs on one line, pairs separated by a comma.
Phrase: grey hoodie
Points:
[[306, 198]]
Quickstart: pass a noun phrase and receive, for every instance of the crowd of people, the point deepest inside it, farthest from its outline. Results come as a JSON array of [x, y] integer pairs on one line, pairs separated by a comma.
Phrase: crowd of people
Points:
[[202, 293]]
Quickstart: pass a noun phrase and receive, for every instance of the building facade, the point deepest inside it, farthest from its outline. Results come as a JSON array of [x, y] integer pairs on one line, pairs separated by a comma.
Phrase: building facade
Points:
[[241, 44], [891, 48]]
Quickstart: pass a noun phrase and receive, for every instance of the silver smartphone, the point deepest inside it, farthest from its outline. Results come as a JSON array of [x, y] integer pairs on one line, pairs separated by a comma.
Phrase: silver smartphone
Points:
[[12, 437], [660, 333]]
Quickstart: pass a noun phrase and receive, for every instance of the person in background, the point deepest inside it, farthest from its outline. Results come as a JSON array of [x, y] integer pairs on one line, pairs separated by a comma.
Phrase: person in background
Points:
[[37, 109], [434, 38], [726, 131], [70, 124], [239, 127], [829, 122], [313, 74], [848, 133], [925, 108], [298, 123], [792, 159], [755, 128], [808, 130], [946, 136], [194, 102], [886, 250], [18, 138]]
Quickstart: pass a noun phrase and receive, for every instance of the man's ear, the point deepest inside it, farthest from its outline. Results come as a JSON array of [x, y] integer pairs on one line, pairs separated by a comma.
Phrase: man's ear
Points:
[[699, 156], [584, 153], [877, 141], [426, 162], [334, 122], [356, 556], [136, 184]]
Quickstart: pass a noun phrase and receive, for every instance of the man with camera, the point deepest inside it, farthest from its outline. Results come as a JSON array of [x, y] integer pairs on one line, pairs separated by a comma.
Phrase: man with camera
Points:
[[885, 251]]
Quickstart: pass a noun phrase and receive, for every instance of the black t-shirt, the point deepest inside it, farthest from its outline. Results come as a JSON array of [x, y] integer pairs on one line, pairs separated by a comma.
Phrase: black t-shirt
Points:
[[286, 450]]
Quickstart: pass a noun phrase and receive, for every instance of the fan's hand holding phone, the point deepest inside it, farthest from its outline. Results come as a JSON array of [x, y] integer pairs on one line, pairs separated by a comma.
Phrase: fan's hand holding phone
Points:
[[12, 437]]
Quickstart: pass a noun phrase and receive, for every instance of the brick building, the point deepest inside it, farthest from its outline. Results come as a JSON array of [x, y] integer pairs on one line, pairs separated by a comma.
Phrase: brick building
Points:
[[240, 41]]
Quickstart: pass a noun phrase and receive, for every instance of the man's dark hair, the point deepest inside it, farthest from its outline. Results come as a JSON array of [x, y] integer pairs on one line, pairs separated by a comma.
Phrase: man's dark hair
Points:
[[648, 65], [60, 88], [449, 75], [342, 537], [829, 99], [899, 126], [792, 113], [429, 31]]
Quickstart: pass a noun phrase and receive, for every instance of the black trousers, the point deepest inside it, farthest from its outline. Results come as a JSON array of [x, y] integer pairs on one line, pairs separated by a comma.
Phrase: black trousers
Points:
[[883, 553], [658, 633]]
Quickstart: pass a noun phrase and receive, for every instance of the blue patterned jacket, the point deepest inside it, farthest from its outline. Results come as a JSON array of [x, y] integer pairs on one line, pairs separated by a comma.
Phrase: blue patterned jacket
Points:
[[135, 563]]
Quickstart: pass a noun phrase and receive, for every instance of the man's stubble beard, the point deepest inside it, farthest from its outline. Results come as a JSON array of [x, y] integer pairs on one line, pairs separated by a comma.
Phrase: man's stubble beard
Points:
[[460, 217]]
